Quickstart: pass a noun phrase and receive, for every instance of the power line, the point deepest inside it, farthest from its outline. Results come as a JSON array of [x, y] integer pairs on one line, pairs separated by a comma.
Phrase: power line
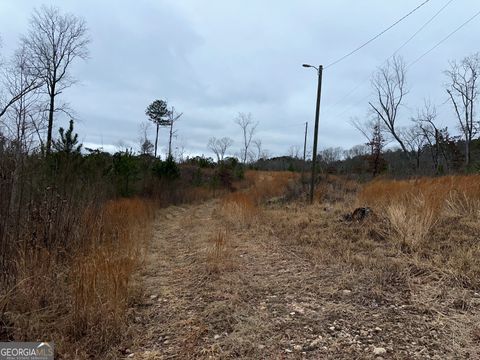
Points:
[[359, 85], [419, 58], [376, 36], [422, 27], [443, 40]]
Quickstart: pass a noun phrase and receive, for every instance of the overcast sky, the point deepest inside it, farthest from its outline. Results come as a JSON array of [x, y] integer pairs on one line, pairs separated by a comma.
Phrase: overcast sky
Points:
[[212, 59]]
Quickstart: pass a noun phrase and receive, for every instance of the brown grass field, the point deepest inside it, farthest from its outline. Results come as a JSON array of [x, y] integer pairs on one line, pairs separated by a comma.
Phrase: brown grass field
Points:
[[80, 300], [260, 274], [245, 276]]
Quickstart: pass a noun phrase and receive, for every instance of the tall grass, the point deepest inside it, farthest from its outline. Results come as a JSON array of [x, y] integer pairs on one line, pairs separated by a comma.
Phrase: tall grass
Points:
[[435, 219], [219, 254], [240, 208], [78, 296], [244, 207], [265, 185], [459, 194]]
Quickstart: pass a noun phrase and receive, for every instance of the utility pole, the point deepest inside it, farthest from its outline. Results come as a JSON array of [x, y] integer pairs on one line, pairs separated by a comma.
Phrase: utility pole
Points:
[[315, 134], [305, 143], [304, 151]]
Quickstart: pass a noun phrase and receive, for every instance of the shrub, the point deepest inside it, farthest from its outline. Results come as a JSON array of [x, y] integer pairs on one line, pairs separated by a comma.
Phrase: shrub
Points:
[[167, 169], [125, 168]]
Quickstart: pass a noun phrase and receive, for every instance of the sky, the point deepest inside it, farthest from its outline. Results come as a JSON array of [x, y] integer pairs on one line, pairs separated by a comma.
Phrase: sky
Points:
[[213, 59]]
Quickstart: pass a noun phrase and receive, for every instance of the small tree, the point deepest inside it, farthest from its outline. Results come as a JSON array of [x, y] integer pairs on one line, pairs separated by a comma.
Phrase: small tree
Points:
[[167, 169], [68, 141], [219, 147], [373, 133], [248, 126], [125, 169], [158, 113], [377, 143], [146, 146]]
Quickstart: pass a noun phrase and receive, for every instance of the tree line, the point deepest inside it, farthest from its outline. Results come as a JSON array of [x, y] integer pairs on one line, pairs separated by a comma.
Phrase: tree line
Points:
[[425, 135]]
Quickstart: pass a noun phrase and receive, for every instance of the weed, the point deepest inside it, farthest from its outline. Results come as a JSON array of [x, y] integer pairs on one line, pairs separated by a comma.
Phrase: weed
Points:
[[219, 255]]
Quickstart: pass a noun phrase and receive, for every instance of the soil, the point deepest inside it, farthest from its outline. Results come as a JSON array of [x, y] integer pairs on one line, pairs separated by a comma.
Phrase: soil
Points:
[[262, 297]]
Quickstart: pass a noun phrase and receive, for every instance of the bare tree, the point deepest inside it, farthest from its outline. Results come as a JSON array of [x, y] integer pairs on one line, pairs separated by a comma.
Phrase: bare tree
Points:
[[53, 42], [330, 155], [373, 133], [172, 118], [426, 120], [180, 150], [365, 127], [463, 91], [357, 150], [390, 89], [146, 146], [259, 151], [219, 147], [294, 151], [248, 126], [18, 81], [415, 142]]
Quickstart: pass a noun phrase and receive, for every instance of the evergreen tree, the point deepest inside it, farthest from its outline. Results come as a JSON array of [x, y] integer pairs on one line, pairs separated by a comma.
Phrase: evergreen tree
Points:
[[68, 141]]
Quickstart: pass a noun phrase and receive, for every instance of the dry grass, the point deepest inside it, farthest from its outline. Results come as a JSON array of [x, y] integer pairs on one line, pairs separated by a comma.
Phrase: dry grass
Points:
[[428, 226], [458, 194], [200, 194], [269, 184], [102, 286], [424, 227], [303, 270], [219, 253], [239, 208], [411, 223], [243, 208], [332, 189], [421, 214], [80, 300]]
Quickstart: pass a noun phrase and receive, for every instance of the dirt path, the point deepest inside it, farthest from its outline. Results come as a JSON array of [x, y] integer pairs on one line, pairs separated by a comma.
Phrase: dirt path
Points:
[[268, 302]]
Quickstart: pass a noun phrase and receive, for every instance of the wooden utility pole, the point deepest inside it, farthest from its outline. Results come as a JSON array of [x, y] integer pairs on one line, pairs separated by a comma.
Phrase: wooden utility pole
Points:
[[315, 134], [304, 150], [305, 143]]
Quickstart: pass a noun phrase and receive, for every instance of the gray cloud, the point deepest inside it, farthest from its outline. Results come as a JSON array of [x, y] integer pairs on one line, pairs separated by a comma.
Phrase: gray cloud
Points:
[[213, 59]]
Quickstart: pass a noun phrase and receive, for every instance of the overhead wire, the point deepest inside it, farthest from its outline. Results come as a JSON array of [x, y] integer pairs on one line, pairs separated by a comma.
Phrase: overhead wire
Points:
[[422, 27], [461, 26], [376, 36], [443, 40], [359, 85]]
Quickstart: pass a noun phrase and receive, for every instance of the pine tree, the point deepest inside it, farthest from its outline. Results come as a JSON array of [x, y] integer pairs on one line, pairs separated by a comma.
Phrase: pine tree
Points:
[[68, 141]]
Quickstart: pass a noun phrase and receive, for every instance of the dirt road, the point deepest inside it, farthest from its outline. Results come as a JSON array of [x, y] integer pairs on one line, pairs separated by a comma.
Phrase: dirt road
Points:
[[260, 299]]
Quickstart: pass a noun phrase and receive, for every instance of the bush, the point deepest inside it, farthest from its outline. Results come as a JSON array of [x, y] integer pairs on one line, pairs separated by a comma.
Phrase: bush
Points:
[[125, 168], [201, 162], [167, 169]]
